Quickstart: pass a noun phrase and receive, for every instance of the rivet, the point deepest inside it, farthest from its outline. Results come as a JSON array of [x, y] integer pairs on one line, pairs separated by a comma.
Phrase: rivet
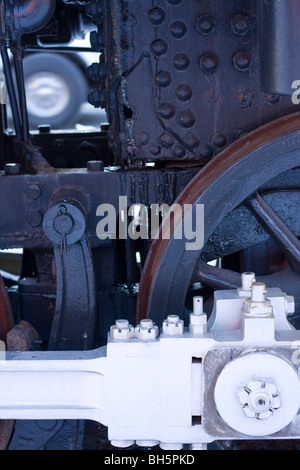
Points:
[[243, 97], [34, 218], [166, 110], [205, 24], [184, 92], [163, 78], [179, 151], [186, 118], [240, 24], [219, 140], [178, 29], [209, 62], [242, 60], [156, 15], [32, 191], [143, 137], [181, 61], [272, 99], [166, 140], [191, 141], [155, 149], [206, 151], [159, 47]]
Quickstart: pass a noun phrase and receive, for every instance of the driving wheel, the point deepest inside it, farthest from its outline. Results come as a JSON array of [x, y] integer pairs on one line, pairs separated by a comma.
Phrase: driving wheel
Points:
[[251, 199]]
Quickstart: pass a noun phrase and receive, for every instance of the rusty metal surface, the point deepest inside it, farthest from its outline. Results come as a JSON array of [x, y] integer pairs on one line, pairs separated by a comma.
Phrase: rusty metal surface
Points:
[[195, 70], [21, 337]]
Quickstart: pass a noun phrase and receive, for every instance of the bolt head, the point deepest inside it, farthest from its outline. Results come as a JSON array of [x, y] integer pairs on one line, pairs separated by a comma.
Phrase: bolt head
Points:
[[95, 165], [173, 326], [12, 168], [44, 128], [146, 330], [121, 330]]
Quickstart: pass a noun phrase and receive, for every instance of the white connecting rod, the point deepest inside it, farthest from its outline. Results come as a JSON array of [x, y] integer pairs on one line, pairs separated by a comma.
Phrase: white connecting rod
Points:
[[52, 385]]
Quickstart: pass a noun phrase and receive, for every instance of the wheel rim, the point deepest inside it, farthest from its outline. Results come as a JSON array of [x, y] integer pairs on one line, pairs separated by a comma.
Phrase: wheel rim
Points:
[[221, 186], [47, 93]]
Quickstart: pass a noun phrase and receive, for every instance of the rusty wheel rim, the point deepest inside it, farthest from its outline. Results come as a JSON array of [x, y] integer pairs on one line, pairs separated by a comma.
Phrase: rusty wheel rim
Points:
[[159, 292]]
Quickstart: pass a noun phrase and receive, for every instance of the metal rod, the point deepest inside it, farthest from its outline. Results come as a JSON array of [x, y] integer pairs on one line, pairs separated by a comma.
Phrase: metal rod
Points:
[[18, 63], [11, 92]]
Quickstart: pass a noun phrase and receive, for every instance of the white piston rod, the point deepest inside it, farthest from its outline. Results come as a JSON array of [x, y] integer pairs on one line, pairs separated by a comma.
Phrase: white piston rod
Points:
[[157, 385]]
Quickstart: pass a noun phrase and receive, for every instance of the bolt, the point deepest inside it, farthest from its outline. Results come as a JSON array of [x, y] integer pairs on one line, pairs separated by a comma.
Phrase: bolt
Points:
[[97, 98], [257, 305], [96, 40], [173, 326], [32, 191], [146, 330], [96, 71], [259, 399], [95, 165], [121, 330], [258, 292], [248, 278], [12, 168], [198, 319], [198, 305]]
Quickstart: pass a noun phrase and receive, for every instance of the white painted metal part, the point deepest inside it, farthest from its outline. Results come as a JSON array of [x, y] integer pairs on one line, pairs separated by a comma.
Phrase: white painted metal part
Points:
[[154, 388]]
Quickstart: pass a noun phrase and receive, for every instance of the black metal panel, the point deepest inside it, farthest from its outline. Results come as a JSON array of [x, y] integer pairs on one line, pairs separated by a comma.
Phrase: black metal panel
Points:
[[182, 83]]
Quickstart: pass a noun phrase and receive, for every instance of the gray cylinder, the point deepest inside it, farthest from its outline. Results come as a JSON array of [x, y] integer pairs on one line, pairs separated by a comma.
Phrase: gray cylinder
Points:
[[279, 45]]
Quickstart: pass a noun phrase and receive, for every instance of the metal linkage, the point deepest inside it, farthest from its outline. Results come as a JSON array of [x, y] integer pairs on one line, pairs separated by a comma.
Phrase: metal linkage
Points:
[[73, 326], [185, 386]]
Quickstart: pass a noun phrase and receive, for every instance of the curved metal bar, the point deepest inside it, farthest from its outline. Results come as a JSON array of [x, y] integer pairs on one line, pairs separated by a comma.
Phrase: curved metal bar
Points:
[[27, 16]]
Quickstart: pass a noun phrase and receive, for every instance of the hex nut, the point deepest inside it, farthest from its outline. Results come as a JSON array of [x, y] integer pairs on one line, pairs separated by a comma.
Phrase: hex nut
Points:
[[173, 326], [12, 168], [198, 324], [146, 330], [121, 330]]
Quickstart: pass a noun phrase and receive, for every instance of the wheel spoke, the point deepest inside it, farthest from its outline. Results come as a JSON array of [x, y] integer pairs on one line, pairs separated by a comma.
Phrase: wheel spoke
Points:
[[280, 233], [219, 278]]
